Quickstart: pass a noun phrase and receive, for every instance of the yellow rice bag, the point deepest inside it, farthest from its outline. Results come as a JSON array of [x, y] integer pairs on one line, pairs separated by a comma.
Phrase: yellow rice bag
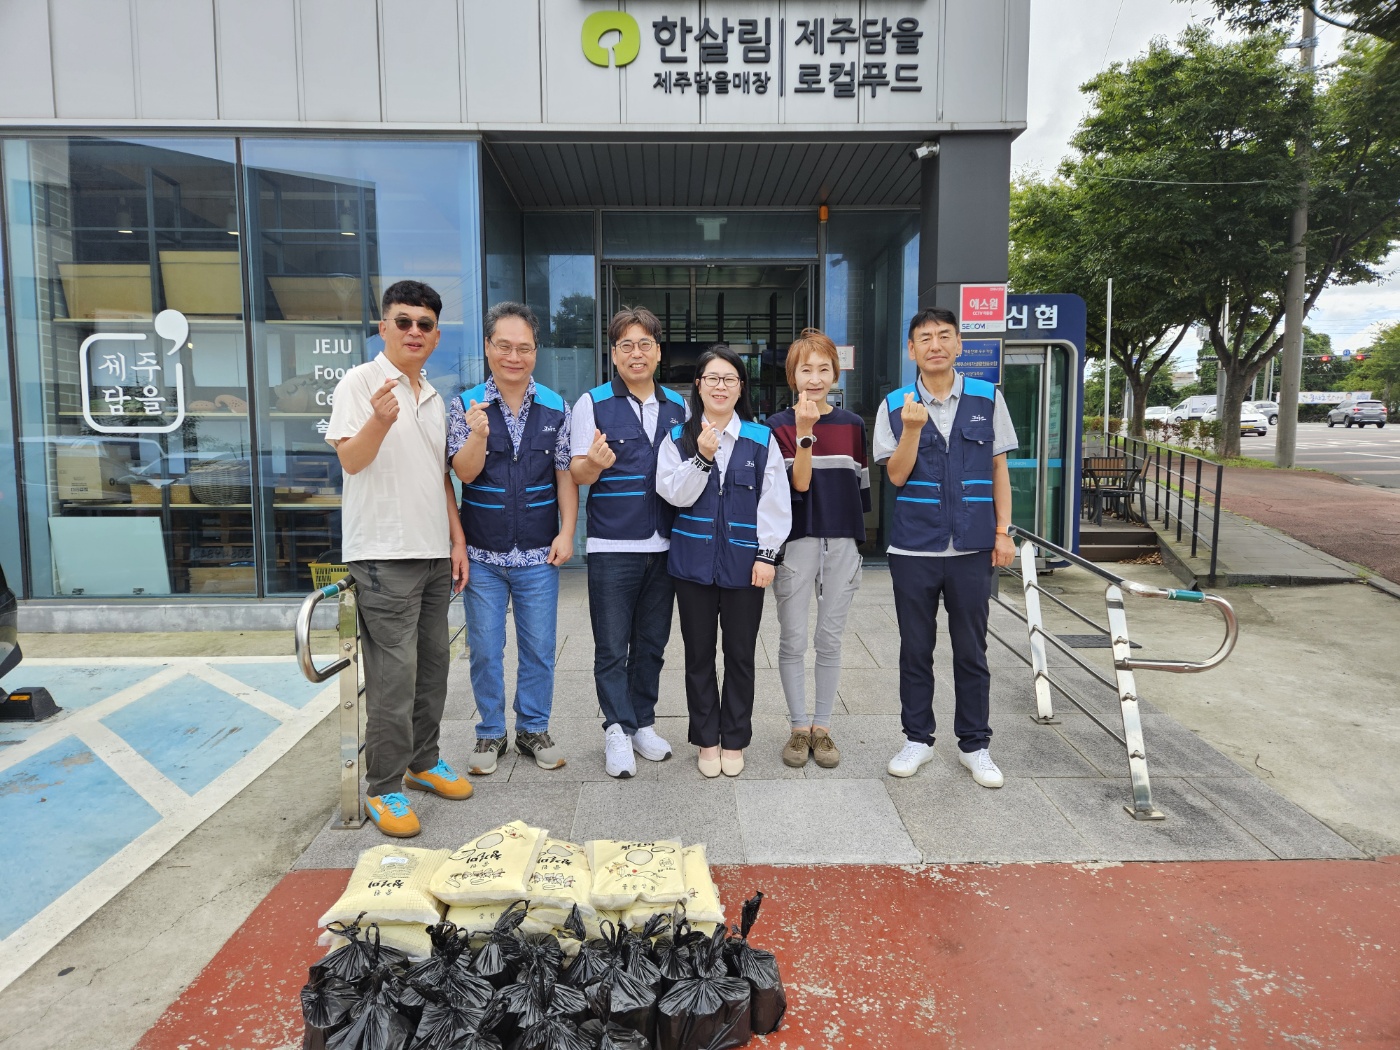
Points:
[[493, 867], [390, 884], [476, 918], [411, 938], [626, 872], [593, 926], [560, 880], [701, 898]]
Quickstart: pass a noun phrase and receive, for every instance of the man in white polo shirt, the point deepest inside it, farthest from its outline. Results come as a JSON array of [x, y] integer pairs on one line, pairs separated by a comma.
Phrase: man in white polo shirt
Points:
[[406, 551]]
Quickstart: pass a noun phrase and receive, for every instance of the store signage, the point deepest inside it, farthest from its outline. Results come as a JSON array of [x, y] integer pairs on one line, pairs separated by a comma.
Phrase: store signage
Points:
[[982, 308], [981, 359], [718, 55], [132, 387], [623, 51]]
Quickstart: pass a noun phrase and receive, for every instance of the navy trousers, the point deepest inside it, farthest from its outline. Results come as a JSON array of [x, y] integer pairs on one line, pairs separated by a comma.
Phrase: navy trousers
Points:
[[964, 582], [630, 599]]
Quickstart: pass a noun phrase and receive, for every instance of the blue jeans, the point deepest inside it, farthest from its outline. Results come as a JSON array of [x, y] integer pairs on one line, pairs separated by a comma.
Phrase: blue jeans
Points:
[[533, 593], [630, 599]]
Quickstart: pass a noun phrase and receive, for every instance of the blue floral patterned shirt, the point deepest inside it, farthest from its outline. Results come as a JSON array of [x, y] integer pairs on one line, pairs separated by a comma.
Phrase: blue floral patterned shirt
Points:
[[457, 434]]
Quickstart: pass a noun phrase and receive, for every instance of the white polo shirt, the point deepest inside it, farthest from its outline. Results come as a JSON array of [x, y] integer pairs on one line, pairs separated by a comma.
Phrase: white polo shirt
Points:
[[396, 508]]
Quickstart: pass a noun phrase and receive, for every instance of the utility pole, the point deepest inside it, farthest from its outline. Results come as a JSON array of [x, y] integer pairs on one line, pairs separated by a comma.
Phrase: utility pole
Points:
[[1107, 355], [1291, 374]]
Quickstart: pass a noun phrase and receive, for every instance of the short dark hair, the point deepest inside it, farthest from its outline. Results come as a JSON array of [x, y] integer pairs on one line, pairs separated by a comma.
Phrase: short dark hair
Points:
[[411, 293], [633, 315], [512, 309], [932, 315]]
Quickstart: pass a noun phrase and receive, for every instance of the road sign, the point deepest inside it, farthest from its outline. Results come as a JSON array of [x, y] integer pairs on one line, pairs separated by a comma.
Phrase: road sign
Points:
[[982, 308], [981, 359]]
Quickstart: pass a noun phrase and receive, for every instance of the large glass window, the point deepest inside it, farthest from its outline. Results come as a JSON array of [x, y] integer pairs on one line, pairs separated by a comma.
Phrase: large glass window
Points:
[[331, 225], [502, 235], [9, 474], [872, 261], [560, 288], [133, 412]]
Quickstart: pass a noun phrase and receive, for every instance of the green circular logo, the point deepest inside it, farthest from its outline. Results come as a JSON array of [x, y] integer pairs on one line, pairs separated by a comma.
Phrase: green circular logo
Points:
[[599, 24]]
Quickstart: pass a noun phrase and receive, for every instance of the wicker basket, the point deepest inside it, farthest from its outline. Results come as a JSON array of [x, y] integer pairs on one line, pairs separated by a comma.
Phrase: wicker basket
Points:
[[221, 481], [325, 572]]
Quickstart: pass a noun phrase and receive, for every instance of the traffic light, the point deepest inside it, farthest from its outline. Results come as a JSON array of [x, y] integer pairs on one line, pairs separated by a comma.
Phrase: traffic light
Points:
[[1325, 359], [1359, 357]]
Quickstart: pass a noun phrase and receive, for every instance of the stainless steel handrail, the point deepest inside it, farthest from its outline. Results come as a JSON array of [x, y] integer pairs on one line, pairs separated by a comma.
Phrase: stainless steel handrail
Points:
[[352, 736], [1124, 663]]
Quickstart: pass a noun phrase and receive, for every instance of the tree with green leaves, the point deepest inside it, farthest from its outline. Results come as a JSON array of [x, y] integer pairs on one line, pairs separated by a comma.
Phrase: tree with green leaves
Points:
[[1061, 243], [1380, 18], [1380, 371], [1191, 147]]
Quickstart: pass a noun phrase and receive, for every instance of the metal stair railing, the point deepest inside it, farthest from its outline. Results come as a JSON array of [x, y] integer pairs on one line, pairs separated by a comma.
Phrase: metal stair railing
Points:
[[1124, 664], [352, 733]]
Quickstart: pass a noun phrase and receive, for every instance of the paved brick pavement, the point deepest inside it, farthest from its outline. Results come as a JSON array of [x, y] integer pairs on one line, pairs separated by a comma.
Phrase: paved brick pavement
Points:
[[1357, 523]]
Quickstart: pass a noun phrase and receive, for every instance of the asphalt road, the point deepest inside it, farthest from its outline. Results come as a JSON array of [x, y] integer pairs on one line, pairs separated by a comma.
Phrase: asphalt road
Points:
[[1362, 454]]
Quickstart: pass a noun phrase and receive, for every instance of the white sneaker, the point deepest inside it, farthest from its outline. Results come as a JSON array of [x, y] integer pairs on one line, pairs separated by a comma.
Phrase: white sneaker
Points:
[[908, 761], [984, 770], [617, 753], [648, 743]]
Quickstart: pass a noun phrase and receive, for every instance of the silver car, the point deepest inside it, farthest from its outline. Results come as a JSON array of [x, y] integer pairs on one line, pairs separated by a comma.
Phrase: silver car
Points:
[[1269, 410], [1357, 413]]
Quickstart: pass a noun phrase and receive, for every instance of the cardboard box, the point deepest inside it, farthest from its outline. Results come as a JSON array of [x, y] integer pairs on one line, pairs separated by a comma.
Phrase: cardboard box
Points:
[[92, 471], [231, 579]]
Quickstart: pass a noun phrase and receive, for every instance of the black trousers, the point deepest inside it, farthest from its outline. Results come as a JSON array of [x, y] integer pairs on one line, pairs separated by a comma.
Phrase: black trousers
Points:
[[719, 718], [964, 582]]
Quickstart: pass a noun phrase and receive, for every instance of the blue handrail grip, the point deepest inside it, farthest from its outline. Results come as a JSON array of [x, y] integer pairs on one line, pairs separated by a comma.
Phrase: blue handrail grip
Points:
[[1175, 595]]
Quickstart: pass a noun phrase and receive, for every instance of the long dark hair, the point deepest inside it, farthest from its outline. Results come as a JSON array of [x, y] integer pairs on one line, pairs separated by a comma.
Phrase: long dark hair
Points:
[[743, 408]]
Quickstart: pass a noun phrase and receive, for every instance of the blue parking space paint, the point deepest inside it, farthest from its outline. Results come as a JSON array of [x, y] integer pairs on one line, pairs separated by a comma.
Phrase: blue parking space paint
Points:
[[284, 681], [65, 813], [190, 730], [73, 688]]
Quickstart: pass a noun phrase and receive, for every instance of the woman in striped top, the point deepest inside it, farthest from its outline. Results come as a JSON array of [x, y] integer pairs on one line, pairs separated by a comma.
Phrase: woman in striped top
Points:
[[824, 448]]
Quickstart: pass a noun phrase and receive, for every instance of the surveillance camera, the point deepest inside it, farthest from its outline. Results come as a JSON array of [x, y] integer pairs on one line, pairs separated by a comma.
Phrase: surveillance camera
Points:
[[924, 150]]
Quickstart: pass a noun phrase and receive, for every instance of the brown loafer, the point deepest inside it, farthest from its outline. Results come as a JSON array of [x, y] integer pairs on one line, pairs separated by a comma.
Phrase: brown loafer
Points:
[[824, 749], [798, 749]]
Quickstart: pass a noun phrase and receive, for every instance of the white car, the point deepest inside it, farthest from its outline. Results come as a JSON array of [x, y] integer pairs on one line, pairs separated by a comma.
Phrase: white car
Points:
[[1252, 421], [1157, 412]]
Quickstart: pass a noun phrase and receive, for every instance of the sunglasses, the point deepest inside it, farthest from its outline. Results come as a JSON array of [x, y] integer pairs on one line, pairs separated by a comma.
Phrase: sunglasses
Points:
[[425, 325]]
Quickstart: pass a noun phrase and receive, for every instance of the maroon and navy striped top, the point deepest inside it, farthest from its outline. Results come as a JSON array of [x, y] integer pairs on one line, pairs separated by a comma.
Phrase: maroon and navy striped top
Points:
[[839, 496]]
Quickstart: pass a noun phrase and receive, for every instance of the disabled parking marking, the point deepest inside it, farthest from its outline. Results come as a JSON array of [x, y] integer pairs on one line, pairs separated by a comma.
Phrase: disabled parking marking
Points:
[[187, 716]]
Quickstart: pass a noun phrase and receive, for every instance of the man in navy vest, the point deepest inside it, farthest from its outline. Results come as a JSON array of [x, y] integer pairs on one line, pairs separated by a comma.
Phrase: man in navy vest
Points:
[[943, 441], [617, 428], [508, 439]]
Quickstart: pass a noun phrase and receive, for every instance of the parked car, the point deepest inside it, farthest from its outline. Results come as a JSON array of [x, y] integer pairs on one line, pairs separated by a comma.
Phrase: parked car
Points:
[[1357, 413], [1252, 421], [1161, 412], [1269, 410], [1192, 408]]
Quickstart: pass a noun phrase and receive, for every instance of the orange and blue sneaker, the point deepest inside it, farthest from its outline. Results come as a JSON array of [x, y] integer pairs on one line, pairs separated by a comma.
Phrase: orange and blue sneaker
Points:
[[441, 780], [393, 815]]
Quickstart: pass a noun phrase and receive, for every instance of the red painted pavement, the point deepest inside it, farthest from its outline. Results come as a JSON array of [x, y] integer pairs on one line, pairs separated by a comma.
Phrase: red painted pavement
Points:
[[1357, 523], [1282, 954]]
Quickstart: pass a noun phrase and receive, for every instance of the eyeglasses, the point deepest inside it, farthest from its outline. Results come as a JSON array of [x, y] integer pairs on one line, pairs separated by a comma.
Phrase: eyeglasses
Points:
[[506, 349], [714, 380], [646, 346], [425, 324]]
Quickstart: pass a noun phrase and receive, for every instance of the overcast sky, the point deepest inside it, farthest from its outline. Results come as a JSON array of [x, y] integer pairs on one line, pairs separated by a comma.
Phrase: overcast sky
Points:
[[1071, 40]]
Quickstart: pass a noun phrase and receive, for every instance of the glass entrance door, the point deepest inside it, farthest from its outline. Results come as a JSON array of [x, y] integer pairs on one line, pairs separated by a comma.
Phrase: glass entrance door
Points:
[[1035, 385], [758, 309]]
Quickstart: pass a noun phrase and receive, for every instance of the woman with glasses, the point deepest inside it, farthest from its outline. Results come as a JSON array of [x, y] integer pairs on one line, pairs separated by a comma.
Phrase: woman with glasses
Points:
[[725, 475]]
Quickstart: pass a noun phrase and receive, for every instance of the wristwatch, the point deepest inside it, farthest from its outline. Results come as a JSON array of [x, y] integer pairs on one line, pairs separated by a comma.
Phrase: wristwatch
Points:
[[807, 441]]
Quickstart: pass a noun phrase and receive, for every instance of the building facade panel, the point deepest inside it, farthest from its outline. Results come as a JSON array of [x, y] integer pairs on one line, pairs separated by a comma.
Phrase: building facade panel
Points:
[[341, 65], [26, 69], [176, 72], [258, 60], [422, 61], [974, 57], [501, 67], [94, 72]]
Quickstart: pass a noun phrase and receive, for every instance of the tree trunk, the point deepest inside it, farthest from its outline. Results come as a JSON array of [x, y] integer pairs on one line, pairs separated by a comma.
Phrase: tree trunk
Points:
[[1236, 384], [1139, 385]]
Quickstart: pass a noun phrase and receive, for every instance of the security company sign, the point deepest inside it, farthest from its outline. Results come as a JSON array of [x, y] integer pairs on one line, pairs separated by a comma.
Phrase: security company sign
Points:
[[983, 308]]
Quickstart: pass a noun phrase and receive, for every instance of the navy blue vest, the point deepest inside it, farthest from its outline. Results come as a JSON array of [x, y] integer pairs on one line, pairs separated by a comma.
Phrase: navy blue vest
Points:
[[512, 502], [715, 540], [949, 491], [622, 503]]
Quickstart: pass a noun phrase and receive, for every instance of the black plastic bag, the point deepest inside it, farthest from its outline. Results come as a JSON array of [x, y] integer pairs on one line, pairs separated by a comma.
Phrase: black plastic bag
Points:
[[625, 1000], [375, 1020], [486, 1035], [592, 959], [675, 951], [360, 956], [604, 1035], [538, 994], [541, 950], [446, 975], [760, 969], [445, 1023], [499, 959], [551, 1033], [325, 1008], [639, 954], [709, 1011]]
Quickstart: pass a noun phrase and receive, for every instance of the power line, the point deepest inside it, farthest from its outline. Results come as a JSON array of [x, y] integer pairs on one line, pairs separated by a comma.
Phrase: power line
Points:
[[1104, 61], [1174, 182]]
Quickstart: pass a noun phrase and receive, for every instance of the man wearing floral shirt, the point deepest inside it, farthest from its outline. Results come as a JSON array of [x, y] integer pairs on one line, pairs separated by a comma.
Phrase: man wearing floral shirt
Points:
[[508, 440]]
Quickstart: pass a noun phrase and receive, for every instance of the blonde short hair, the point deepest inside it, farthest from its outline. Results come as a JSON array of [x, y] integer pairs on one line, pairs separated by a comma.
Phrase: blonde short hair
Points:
[[811, 341]]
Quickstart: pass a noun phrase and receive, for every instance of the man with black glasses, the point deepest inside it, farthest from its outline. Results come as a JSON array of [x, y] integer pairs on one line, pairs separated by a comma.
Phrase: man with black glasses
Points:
[[406, 552], [617, 428], [508, 439]]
